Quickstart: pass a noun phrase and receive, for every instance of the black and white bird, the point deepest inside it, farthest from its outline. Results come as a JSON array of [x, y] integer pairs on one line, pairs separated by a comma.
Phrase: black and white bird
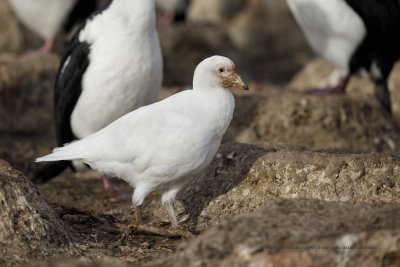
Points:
[[354, 35], [47, 18], [113, 66], [162, 146]]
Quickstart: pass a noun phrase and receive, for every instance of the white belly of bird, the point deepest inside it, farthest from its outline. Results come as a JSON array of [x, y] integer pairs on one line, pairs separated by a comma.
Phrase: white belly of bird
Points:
[[111, 97], [117, 80], [164, 164], [162, 159]]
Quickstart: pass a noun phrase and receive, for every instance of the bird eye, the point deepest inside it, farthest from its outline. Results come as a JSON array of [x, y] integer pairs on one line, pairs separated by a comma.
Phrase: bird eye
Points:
[[221, 70]]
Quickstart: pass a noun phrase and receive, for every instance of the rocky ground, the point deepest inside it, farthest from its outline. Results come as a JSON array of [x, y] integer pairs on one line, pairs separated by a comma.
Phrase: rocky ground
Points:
[[300, 179]]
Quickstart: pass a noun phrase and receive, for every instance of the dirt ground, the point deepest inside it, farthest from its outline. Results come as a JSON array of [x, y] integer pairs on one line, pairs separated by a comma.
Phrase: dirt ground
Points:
[[294, 168]]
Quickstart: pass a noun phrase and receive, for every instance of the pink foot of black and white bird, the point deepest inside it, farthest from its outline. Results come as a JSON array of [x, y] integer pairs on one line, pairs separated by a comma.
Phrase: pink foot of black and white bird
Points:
[[114, 190], [48, 45], [172, 10], [166, 20], [338, 89]]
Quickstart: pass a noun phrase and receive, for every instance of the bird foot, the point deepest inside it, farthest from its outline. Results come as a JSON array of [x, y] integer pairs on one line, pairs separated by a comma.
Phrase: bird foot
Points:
[[114, 190], [152, 230], [166, 20], [48, 46], [338, 89]]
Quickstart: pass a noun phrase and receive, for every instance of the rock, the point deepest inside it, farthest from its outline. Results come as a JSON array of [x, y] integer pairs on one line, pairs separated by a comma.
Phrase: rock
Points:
[[29, 227], [316, 73], [26, 107], [243, 178], [345, 123], [299, 232], [26, 91], [10, 35]]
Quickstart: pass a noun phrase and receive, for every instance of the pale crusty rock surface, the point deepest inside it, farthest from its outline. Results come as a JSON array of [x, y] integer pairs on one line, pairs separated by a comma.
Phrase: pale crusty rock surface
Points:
[[29, 228], [299, 232], [243, 178], [345, 123]]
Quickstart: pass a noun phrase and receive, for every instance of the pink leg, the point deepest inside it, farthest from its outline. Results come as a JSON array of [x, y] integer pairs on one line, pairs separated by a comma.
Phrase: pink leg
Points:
[[114, 190], [169, 205], [338, 89], [48, 45], [107, 185], [166, 20], [168, 199]]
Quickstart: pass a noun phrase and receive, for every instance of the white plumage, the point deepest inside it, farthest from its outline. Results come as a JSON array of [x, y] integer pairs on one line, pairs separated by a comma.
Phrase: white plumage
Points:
[[125, 70], [332, 28], [160, 146]]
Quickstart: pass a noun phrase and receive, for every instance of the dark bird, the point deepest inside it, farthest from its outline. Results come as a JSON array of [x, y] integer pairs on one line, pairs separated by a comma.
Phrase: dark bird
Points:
[[354, 36]]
